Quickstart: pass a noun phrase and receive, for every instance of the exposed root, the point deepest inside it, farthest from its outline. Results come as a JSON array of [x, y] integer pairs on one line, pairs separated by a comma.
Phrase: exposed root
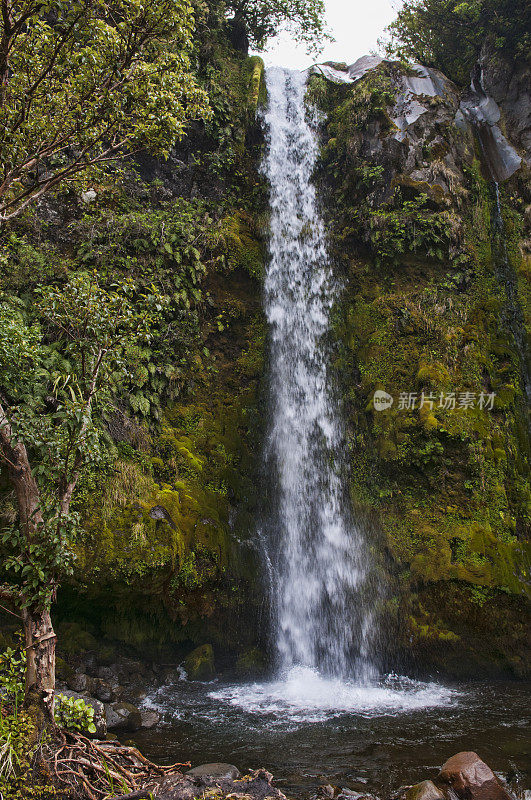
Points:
[[103, 770]]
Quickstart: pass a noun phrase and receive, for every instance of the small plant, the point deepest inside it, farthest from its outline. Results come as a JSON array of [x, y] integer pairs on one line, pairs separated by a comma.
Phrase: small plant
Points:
[[15, 733], [74, 714], [12, 673], [15, 727]]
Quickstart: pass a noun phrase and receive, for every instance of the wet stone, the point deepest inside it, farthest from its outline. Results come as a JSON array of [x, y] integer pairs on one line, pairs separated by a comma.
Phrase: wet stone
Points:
[[215, 770], [149, 719], [471, 779], [425, 790]]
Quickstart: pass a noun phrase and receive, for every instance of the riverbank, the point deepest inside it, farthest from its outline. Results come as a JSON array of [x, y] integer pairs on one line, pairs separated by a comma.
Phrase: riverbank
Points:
[[464, 776]]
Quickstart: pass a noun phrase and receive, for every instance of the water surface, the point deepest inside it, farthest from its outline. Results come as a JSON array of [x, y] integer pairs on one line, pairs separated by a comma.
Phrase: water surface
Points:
[[308, 730]]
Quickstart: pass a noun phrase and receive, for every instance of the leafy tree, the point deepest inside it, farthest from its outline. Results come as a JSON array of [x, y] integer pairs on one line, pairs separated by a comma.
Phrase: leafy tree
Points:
[[262, 19], [57, 373], [84, 81], [448, 34]]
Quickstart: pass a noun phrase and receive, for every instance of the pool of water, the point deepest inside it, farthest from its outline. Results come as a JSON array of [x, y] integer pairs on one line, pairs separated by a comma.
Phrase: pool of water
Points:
[[308, 730]]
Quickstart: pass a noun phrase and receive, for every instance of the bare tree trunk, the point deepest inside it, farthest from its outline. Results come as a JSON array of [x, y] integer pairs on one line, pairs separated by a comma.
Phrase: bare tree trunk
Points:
[[40, 671]]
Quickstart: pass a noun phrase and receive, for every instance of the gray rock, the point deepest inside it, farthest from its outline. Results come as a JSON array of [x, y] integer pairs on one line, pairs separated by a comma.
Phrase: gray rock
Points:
[[107, 674], [135, 697], [149, 719], [215, 770], [257, 785], [104, 691], [79, 682], [123, 716], [509, 84], [199, 664], [160, 513]]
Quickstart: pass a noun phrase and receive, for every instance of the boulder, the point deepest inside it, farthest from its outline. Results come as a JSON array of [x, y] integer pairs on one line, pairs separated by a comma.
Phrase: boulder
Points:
[[471, 779], [79, 682], [425, 790], [123, 716], [104, 691], [199, 664], [107, 674], [257, 785], [228, 771], [350, 794], [149, 719]]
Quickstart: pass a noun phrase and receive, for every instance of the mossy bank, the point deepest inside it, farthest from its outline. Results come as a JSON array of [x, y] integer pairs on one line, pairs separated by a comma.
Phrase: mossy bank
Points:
[[432, 313]]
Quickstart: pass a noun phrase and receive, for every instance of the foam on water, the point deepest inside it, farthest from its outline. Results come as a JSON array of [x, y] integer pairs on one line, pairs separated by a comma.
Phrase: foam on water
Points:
[[304, 695]]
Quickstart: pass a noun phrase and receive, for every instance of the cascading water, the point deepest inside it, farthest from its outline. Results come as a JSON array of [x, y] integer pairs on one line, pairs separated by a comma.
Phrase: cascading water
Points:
[[318, 563], [318, 556]]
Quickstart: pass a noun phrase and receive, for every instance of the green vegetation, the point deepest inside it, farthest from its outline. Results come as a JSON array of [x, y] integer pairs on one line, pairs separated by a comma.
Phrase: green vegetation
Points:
[[105, 324], [424, 311], [84, 82], [449, 35], [64, 358], [74, 714], [170, 280], [16, 728]]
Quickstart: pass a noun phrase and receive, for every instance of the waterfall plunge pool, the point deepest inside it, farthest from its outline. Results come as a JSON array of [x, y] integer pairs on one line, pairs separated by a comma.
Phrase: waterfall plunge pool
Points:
[[308, 730]]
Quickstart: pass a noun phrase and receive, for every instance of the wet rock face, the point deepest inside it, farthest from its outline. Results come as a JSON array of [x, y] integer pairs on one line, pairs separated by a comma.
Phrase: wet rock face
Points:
[[500, 158], [471, 779], [509, 85]]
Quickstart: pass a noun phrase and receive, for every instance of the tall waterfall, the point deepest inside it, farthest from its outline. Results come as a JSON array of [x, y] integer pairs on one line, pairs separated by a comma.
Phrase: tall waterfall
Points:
[[319, 559]]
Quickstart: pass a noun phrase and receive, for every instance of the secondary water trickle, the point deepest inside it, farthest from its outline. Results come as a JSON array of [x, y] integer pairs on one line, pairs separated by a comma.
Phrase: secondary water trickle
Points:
[[318, 555]]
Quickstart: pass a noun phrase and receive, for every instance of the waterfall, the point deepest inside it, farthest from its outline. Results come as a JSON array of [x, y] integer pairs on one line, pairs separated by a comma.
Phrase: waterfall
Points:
[[318, 555]]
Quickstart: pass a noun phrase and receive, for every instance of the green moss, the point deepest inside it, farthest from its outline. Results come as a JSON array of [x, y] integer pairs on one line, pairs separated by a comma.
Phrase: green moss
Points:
[[423, 314], [199, 664]]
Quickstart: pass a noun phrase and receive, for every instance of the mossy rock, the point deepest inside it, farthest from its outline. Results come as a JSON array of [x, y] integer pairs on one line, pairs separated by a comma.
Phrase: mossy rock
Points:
[[199, 664], [251, 662]]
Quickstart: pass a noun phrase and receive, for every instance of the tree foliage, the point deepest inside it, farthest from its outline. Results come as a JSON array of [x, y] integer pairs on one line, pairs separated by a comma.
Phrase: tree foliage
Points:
[[448, 34], [60, 369], [263, 19], [81, 82]]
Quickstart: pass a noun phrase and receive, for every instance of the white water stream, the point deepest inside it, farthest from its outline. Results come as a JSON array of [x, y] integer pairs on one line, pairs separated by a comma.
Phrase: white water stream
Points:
[[318, 555]]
